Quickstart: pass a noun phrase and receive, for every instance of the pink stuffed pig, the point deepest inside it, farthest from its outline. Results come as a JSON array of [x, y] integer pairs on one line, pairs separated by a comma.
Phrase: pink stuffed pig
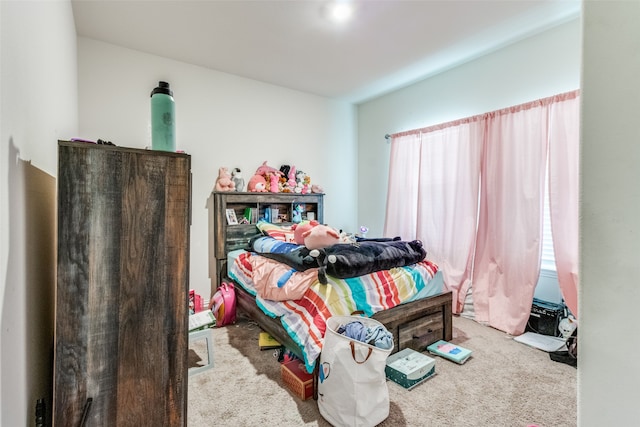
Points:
[[300, 229], [320, 236]]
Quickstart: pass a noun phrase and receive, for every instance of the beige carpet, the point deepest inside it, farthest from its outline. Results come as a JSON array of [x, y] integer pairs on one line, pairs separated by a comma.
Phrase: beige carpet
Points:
[[505, 383]]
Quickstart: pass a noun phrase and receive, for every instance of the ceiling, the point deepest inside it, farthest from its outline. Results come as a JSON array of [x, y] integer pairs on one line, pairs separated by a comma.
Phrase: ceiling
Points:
[[387, 45]]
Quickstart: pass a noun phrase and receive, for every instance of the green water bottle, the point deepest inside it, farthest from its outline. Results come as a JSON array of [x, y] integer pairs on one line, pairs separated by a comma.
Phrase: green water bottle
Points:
[[163, 118]]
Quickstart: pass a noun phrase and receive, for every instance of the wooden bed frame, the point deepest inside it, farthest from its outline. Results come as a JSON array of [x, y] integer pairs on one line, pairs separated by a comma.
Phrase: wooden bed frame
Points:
[[414, 324]]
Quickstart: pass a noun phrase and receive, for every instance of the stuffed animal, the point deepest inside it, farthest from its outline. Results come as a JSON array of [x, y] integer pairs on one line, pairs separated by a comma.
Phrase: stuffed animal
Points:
[[285, 170], [296, 214], [264, 170], [265, 184], [567, 326], [224, 182], [315, 188], [257, 184], [300, 229], [299, 182], [282, 185], [302, 183], [273, 182], [291, 182], [238, 180], [320, 236], [306, 185], [347, 238]]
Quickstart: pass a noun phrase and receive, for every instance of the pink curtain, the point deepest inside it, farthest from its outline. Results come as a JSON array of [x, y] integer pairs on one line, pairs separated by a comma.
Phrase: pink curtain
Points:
[[507, 258], [564, 141], [433, 192], [433, 196], [402, 194], [448, 203]]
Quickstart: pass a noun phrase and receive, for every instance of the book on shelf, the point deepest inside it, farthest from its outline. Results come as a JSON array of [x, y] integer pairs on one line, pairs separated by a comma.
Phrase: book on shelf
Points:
[[271, 214], [251, 215], [266, 341], [450, 351], [201, 320]]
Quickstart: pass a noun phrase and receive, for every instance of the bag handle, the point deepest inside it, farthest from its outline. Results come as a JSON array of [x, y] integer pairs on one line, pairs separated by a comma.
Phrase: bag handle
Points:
[[353, 353]]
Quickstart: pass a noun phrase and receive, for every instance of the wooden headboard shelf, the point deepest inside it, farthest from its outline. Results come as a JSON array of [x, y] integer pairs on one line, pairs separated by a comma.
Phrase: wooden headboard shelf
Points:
[[225, 237]]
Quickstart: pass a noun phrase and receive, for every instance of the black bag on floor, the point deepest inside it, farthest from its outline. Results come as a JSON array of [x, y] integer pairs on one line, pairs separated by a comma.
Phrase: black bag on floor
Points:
[[569, 356]]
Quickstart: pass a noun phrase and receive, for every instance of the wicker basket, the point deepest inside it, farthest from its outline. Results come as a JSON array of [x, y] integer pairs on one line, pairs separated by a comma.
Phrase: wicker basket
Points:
[[297, 379]]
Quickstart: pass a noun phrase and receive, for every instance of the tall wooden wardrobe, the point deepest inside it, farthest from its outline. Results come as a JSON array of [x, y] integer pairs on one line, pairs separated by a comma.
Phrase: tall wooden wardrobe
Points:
[[121, 337]]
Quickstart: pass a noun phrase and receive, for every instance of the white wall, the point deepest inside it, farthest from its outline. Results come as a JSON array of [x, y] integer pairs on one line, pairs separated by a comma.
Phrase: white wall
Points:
[[222, 120], [38, 101], [608, 374], [540, 66]]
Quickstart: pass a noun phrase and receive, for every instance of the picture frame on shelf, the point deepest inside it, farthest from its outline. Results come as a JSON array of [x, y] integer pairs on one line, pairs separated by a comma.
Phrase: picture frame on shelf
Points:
[[231, 217]]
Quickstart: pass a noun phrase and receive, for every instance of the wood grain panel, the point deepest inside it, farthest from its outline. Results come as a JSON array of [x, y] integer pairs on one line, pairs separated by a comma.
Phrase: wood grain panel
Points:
[[122, 291], [409, 316], [419, 333]]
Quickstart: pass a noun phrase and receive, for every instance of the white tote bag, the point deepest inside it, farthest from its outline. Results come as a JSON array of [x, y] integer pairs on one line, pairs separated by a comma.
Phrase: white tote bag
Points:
[[352, 386]]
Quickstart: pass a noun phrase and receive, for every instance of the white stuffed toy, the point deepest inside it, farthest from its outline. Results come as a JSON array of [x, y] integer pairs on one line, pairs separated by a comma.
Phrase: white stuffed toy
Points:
[[236, 177], [567, 326]]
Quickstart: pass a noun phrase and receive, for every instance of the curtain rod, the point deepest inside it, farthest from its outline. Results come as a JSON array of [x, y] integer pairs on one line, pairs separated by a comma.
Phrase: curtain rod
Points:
[[543, 101]]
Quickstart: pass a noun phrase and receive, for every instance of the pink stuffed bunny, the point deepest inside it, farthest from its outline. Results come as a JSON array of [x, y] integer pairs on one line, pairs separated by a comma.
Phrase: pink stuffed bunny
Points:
[[273, 183], [224, 182], [292, 178]]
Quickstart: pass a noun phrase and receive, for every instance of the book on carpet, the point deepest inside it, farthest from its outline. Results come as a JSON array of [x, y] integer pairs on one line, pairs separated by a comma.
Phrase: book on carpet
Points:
[[266, 341], [201, 320], [409, 368], [450, 351]]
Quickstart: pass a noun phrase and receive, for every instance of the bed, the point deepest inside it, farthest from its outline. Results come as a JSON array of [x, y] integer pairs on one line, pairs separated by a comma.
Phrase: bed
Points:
[[421, 316], [408, 299]]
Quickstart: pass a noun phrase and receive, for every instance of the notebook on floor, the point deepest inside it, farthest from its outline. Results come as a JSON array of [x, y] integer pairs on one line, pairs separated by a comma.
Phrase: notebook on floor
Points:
[[450, 351], [543, 342]]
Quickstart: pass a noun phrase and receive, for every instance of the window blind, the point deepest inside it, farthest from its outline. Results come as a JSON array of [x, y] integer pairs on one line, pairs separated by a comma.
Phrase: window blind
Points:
[[547, 259]]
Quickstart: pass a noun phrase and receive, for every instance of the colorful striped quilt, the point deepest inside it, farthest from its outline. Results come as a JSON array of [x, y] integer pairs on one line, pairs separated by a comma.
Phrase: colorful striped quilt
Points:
[[305, 319]]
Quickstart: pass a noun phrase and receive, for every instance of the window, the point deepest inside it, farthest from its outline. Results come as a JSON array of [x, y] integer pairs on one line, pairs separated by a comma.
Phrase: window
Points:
[[548, 259]]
